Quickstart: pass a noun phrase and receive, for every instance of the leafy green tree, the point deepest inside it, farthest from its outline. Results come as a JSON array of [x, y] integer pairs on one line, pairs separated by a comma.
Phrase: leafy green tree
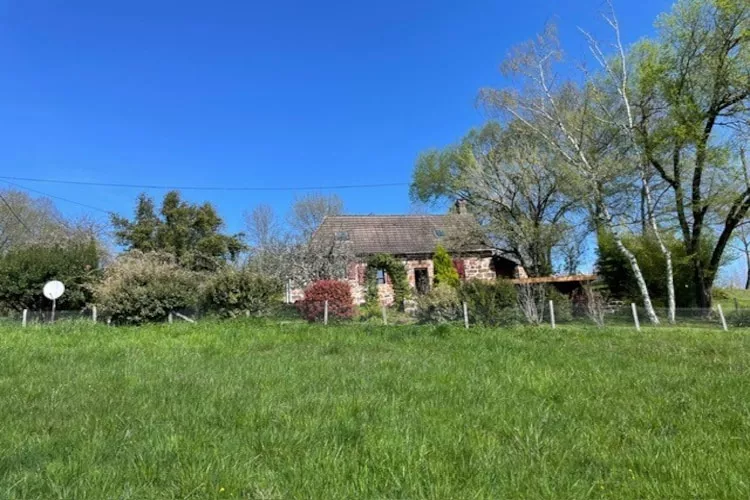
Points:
[[445, 272], [24, 271], [189, 232], [692, 94], [514, 187]]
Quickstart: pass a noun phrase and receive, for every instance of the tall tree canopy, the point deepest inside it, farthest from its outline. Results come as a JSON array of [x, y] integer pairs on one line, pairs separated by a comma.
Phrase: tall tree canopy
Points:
[[692, 95], [190, 232], [513, 186]]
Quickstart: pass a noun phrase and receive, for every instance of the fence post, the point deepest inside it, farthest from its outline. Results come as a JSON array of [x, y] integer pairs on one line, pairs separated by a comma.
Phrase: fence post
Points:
[[325, 313], [169, 318], [723, 320], [736, 305], [552, 314], [635, 317], [93, 313], [466, 316], [385, 315], [25, 316]]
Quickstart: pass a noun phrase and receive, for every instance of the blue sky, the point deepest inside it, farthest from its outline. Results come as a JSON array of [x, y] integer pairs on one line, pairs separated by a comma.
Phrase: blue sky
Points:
[[282, 93]]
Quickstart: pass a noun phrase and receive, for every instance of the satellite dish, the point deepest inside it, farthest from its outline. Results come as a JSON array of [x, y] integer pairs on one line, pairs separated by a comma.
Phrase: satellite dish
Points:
[[53, 289]]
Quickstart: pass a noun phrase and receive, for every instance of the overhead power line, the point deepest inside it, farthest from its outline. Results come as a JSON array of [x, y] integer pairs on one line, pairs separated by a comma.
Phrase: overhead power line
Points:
[[90, 207], [20, 221], [207, 188]]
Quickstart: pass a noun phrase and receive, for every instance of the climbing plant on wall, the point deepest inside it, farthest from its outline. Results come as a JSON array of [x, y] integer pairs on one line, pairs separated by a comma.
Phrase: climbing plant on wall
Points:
[[397, 272]]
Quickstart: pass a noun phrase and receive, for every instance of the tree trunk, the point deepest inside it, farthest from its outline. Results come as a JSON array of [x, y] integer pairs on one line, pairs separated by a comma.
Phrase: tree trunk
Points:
[[703, 285], [650, 312], [671, 303], [747, 260]]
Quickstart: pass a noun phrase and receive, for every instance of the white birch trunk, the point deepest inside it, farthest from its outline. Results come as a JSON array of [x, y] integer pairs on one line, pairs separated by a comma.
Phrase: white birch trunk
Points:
[[647, 305]]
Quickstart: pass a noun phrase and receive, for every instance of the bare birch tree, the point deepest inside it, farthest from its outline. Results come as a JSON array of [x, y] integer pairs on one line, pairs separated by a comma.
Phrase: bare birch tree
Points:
[[564, 117], [617, 81]]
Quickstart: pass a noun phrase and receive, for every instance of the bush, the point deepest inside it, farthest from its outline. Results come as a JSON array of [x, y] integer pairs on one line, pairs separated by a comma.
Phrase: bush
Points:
[[738, 318], [440, 305], [337, 293], [445, 271], [25, 270], [614, 269], [231, 293], [563, 305], [490, 302], [142, 287]]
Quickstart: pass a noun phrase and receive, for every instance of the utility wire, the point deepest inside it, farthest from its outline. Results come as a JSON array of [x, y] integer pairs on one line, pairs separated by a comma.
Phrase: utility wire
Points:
[[91, 207], [5, 202], [207, 188]]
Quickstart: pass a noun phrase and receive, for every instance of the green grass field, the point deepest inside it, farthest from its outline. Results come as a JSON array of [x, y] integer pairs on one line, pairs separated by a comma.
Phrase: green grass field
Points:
[[236, 410]]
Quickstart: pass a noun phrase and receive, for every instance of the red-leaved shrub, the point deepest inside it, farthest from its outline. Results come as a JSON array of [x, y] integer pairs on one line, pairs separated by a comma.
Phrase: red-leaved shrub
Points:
[[337, 293]]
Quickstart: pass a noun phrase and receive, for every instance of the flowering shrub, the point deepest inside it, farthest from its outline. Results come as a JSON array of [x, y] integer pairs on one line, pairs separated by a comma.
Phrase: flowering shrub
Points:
[[337, 293]]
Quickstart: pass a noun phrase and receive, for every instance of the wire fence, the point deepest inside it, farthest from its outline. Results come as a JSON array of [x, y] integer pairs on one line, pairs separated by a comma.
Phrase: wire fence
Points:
[[552, 314]]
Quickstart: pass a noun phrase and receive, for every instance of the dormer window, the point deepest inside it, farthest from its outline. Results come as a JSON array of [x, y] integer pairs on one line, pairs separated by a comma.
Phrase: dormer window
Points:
[[439, 233]]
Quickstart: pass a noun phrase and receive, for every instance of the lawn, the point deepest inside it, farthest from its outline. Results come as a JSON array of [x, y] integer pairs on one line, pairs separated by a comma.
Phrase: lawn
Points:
[[240, 410]]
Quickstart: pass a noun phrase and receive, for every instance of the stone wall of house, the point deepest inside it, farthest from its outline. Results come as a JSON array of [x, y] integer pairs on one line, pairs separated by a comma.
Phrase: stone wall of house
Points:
[[479, 268], [474, 268]]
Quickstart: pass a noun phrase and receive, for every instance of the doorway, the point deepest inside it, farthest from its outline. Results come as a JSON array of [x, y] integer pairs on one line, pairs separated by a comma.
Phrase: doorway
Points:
[[422, 280]]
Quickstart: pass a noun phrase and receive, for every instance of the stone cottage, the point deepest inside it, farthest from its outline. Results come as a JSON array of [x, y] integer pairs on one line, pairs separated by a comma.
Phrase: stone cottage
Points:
[[412, 239]]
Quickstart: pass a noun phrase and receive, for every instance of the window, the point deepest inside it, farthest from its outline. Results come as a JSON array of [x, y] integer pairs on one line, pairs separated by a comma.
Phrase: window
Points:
[[381, 277], [439, 233], [342, 236]]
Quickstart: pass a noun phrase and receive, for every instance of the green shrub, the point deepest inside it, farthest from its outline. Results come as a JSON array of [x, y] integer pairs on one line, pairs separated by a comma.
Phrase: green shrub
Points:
[[563, 305], [232, 292], [614, 269], [445, 271], [397, 273], [440, 305], [490, 302], [142, 287], [25, 270], [739, 318]]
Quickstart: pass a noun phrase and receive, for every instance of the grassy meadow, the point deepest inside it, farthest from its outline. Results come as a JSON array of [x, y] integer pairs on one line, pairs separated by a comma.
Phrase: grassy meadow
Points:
[[243, 410]]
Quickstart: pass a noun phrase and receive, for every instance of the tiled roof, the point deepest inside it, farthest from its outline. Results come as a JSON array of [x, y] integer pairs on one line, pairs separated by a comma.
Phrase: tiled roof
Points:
[[401, 234]]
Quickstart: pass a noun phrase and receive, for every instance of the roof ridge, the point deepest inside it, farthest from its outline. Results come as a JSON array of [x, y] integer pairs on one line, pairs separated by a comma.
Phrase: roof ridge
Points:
[[386, 215]]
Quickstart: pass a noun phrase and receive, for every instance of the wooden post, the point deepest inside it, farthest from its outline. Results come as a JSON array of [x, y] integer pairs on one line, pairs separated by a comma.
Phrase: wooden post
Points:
[[385, 315], [466, 316], [723, 320], [93, 313], [54, 306], [552, 314], [736, 305], [325, 313], [635, 317], [24, 317], [169, 318]]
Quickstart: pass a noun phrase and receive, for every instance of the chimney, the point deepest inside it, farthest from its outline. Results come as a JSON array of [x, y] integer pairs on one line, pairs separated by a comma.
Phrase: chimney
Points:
[[461, 207]]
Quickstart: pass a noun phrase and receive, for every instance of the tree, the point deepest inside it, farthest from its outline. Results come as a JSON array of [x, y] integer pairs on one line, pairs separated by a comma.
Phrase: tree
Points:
[[309, 211], [189, 232], [445, 273], [617, 88], [565, 117], [513, 184], [692, 97], [25, 220], [266, 240], [293, 254]]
